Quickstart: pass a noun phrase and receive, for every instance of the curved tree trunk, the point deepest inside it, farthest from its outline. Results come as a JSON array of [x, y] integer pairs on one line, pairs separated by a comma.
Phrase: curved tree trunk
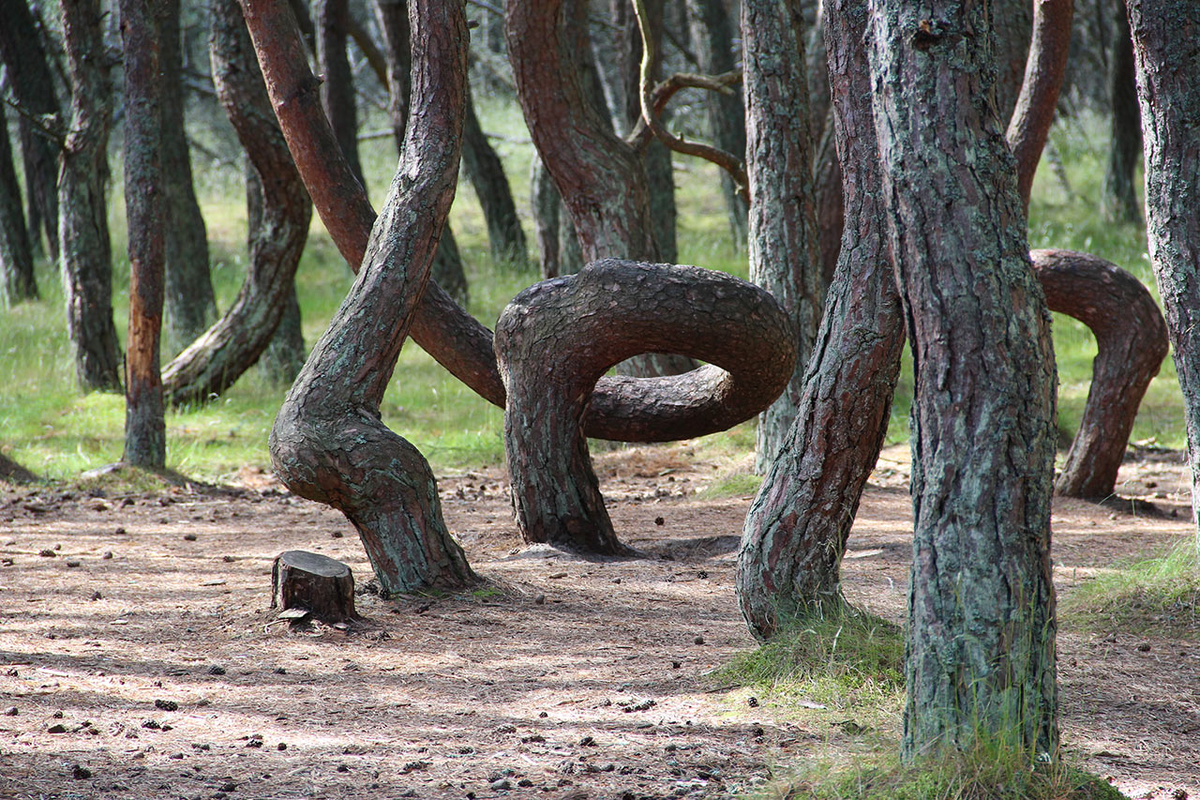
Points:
[[796, 531], [486, 174], [84, 247], [1030, 123], [16, 253], [328, 443], [32, 85], [981, 635], [191, 305], [783, 221], [1166, 47], [712, 41], [1120, 202], [555, 340], [277, 232], [1132, 339], [337, 86], [145, 426]]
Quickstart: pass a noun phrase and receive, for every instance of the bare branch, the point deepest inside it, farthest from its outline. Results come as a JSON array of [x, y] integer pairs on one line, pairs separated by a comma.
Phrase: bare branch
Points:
[[665, 90]]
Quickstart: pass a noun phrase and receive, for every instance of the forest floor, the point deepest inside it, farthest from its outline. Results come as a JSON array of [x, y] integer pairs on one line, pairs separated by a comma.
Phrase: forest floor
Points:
[[139, 657]]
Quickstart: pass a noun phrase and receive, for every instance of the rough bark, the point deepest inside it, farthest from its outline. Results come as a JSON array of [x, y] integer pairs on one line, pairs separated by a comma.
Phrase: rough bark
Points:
[[1119, 200], [279, 217], [33, 87], [1132, 339], [796, 531], [712, 41], [831, 211], [486, 173], [16, 252], [85, 251], [1030, 123], [1013, 22], [315, 583], [191, 305], [784, 253], [1166, 47], [328, 443], [337, 85], [981, 634], [557, 338], [145, 426]]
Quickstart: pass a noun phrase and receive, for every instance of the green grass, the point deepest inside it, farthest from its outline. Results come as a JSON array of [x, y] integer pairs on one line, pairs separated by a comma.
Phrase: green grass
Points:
[[1158, 596], [51, 428]]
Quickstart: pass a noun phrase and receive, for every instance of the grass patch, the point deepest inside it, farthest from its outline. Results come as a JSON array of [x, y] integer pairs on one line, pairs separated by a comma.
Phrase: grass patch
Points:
[[740, 484], [839, 661], [1159, 596]]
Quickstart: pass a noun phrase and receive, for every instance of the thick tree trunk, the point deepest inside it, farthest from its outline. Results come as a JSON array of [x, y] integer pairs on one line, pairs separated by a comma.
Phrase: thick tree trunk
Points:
[[486, 174], [315, 583], [32, 85], [1120, 202], [145, 427], [337, 86], [1166, 47], [279, 216], [556, 339], [783, 221], [796, 531], [1034, 111], [712, 41], [1132, 339], [328, 443], [84, 247], [16, 253], [981, 634], [191, 305]]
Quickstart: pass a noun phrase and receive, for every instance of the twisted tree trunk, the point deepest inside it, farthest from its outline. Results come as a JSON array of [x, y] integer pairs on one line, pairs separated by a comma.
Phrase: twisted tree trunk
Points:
[[328, 443], [277, 232]]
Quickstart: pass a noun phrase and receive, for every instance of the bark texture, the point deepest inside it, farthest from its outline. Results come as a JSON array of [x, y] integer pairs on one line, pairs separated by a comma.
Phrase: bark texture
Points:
[[557, 338], [1034, 111], [486, 173], [279, 220], [328, 443], [1119, 201], [1166, 47], [784, 251], [981, 633], [85, 250], [337, 86], [316, 583], [33, 87], [16, 252], [145, 427], [190, 303], [1132, 339], [1013, 22], [796, 531]]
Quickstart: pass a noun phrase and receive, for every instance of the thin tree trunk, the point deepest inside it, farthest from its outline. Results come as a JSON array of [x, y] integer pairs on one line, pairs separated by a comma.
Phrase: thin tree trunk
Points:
[[796, 531], [547, 219], [712, 41], [145, 428], [16, 253], [279, 217], [191, 305], [84, 247], [1120, 202], [1166, 47], [337, 86], [486, 174], [328, 443], [32, 85], [784, 252], [981, 635]]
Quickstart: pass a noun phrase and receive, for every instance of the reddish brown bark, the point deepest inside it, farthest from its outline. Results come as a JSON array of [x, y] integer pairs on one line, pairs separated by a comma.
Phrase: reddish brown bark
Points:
[[1132, 339], [1030, 123], [328, 443], [145, 428], [557, 338]]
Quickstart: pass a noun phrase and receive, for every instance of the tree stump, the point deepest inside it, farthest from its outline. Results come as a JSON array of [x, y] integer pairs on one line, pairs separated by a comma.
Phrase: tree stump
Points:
[[322, 585]]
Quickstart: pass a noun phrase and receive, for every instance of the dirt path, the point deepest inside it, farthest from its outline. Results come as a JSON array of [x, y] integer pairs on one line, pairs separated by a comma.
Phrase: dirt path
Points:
[[166, 676]]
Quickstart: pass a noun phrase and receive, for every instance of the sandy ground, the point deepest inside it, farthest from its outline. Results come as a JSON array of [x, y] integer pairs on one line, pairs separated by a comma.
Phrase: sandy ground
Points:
[[139, 659]]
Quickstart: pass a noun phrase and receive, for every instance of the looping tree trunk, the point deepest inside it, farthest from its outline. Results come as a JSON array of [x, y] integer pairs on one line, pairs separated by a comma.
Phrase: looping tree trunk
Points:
[[328, 443], [1132, 338], [278, 226], [555, 340]]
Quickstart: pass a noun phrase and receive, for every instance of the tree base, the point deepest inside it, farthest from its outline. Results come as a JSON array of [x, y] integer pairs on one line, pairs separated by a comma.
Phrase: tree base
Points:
[[322, 585]]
